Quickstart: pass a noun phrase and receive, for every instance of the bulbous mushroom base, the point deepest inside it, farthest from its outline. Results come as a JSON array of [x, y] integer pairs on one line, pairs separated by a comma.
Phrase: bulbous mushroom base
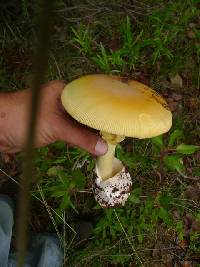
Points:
[[114, 191]]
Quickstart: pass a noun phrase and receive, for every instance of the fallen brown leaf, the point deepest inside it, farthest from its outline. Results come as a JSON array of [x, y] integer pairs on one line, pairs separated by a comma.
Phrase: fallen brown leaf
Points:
[[176, 80], [191, 34], [193, 193]]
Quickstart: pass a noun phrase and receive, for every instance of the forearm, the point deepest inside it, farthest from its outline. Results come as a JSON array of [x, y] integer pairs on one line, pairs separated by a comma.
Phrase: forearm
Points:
[[14, 110]]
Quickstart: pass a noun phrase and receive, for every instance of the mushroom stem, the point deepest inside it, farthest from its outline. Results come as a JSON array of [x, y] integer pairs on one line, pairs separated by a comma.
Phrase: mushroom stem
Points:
[[105, 164]]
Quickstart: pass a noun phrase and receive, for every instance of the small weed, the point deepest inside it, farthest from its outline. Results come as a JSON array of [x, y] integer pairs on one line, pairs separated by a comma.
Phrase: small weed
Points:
[[83, 39]]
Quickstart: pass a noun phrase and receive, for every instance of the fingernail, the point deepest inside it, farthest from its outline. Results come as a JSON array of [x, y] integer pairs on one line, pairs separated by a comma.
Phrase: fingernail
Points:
[[101, 147]]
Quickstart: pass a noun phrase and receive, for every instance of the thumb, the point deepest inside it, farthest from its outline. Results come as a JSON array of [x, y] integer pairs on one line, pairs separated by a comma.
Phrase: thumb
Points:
[[78, 135]]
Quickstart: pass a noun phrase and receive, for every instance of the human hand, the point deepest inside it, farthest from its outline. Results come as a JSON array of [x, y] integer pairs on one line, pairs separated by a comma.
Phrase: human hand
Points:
[[53, 122]]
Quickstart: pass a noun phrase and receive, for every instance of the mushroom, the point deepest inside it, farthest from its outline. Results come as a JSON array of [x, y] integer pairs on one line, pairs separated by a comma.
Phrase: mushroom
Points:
[[117, 107]]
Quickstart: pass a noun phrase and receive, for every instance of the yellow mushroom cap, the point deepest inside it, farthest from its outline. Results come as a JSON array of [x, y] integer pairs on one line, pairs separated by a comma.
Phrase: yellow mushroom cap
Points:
[[116, 105]]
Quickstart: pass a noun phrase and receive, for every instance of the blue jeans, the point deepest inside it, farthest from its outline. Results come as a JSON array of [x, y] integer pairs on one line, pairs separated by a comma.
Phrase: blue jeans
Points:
[[44, 251]]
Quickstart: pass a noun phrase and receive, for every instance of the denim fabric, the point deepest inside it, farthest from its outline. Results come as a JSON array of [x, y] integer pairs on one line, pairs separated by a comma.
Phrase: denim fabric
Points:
[[44, 251], [6, 223]]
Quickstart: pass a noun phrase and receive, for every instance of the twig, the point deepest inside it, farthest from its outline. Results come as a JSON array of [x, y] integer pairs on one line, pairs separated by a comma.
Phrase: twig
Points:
[[188, 177], [128, 239], [49, 212], [40, 64]]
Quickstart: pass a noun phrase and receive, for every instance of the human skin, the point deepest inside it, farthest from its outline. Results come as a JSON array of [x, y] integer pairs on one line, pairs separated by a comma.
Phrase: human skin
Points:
[[53, 122]]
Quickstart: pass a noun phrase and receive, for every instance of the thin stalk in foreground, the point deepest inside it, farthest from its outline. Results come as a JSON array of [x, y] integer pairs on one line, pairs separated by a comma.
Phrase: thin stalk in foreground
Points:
[[40, 64], [128, 239]]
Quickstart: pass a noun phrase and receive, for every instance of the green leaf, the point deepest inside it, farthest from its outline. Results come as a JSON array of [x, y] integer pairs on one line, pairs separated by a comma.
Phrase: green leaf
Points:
[[137, 191], [59, 172], [128, 32], [59, 187], [79, 179], [140, 238], [58, 190], [58, 193], [198, 216], [58, 216], [174, 136], [60, 160], [65, 202], [154, 216], [90, 165], [134, 199], [109, 215], [187, 149], [180, 230], [54, 171], [196, 172], [165, 216], [174, 163], [60, 145], [158, 141], [165, 200]]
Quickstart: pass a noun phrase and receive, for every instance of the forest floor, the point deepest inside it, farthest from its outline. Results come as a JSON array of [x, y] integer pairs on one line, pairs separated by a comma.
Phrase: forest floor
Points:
[[158, 44]]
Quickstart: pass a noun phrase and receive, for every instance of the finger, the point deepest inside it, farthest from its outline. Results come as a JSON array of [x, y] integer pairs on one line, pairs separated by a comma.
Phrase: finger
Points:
[[80, 136], [55, 85]]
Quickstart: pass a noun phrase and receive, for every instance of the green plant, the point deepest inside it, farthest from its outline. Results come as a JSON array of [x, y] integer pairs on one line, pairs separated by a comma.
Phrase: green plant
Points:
[[83, 39], [173, 156], [60, 177]]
